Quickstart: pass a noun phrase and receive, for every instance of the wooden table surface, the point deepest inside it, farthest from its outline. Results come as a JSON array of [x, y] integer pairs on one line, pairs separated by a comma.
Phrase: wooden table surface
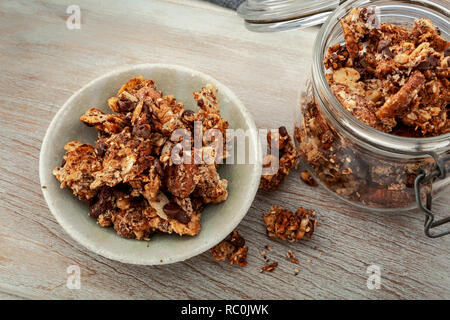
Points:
[[42, 63]]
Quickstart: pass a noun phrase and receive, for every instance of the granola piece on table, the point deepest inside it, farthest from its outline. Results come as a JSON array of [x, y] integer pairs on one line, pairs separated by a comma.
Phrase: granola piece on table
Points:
[[233, 248], [77, 170], [286, 225], [287, 156]]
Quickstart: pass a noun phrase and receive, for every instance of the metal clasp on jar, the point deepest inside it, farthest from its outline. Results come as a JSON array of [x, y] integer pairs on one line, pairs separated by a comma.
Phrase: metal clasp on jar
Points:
[[439, 171]]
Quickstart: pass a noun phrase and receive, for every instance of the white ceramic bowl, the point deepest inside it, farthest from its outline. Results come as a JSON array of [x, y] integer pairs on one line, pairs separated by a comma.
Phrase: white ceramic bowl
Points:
[[217, 220]]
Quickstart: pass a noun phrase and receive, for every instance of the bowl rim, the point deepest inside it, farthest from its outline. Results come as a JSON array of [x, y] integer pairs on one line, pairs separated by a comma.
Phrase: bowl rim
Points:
[[85, 242]]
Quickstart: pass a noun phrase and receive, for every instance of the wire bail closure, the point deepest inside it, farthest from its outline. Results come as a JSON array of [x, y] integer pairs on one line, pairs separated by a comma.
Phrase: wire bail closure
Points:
[[439, 171]]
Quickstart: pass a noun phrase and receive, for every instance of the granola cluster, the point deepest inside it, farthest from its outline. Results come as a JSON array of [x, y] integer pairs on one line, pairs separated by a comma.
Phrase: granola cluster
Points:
[[281, 165], [233, 248], [287, 225], [390, 77], [129, 179]]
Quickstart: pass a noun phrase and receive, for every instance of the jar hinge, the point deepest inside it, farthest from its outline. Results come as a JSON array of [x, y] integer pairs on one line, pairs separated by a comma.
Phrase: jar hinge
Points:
[[439, 171]]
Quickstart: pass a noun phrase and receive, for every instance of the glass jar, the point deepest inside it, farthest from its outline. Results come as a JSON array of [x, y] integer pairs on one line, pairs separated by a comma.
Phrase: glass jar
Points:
[[357, 163], [281, 15]]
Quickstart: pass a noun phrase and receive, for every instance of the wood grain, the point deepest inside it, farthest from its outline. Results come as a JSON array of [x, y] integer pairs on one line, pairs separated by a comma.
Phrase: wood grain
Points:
[[42, 63]]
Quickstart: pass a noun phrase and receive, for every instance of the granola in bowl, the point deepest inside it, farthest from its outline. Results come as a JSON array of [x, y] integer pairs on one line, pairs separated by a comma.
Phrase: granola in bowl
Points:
[[214, 207], [128, 177]]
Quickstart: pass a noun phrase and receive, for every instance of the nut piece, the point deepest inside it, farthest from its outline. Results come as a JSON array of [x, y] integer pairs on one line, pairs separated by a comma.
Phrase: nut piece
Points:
[[346, 75], [286, 225], [233, 248]]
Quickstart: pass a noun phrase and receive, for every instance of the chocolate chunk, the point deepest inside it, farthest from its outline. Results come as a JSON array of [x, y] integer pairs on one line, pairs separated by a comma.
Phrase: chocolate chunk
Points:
[[142, 130], [200, 103], [63, 162], [180, 179], [387, 52], [158, 168], [283, 132], [121, 191], [100, 148], [147, 110], [102, 203], [197, 204], [125, 105], [237, 240], [188, 113], [174, 211], [429, 62], [383, 44]]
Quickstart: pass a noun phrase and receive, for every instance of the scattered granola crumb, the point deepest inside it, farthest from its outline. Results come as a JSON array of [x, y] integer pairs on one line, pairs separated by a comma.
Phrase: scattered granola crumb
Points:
[[296, 271], [269, 248], [44, 187], [309, 260], [286, 225], [319, 254], [270, 267], [263, 254], [233, 248], [306, 178], [239, 257], [291, 256]]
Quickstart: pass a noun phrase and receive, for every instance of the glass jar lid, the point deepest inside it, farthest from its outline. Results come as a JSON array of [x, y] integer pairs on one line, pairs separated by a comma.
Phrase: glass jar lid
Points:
[[278, 15]]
